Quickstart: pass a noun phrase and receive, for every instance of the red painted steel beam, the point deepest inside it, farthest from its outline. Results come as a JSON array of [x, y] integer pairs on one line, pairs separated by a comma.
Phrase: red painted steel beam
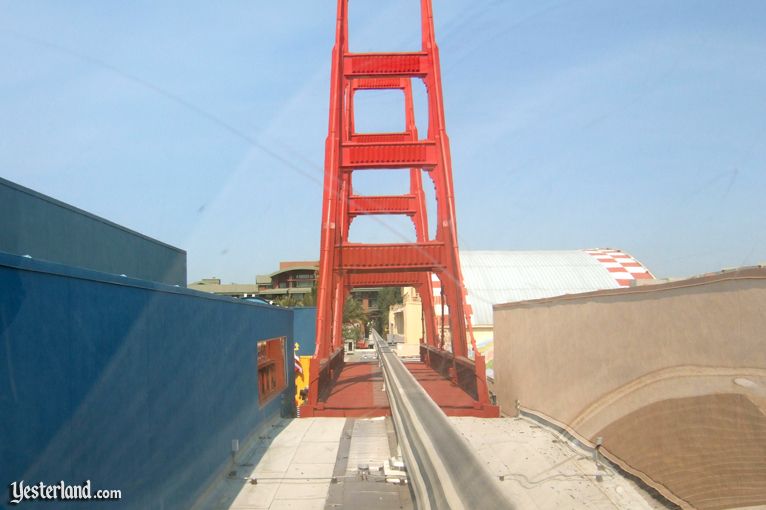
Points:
[[380, 137], [370, 65], [425, 256], [415, 154], [378, 83], [409, 279], [393, 204]]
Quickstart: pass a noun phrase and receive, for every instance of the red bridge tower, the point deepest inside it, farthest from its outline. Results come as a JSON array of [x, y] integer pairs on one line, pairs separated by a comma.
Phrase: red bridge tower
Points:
[[345, 265]]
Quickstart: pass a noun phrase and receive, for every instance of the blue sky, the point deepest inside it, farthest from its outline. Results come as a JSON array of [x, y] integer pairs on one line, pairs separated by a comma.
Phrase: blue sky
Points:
[[635, 125]]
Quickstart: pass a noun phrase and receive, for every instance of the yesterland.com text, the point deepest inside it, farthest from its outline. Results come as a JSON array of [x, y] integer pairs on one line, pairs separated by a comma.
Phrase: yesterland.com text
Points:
[[21, 491]]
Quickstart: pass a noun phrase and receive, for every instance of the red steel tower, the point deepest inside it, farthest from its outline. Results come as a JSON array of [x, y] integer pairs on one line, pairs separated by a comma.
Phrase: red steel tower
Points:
[[345, 265]]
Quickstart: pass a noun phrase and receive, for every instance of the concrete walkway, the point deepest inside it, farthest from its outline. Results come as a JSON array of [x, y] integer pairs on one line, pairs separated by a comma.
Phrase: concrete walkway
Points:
[[542, 470], [293, 466], [293, 471]]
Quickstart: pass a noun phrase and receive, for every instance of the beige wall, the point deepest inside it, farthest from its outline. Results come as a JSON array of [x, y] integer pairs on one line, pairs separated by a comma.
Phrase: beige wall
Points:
[[592, 359], [406, 319]]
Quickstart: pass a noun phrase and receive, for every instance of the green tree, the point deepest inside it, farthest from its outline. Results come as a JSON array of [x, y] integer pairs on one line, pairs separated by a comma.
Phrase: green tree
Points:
[[354, 319], [287, 301], [311, 298], [387, 297], [353, 311]]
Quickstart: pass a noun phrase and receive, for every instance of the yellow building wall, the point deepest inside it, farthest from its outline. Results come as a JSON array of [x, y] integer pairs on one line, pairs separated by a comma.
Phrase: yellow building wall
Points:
[[411, 311], [411, 326]]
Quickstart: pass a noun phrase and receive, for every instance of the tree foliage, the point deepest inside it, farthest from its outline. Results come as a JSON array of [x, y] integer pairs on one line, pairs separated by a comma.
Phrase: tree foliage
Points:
[[353, 311], [387, 297], [288, 301], [293, 300], [354, 319], [310, 299]]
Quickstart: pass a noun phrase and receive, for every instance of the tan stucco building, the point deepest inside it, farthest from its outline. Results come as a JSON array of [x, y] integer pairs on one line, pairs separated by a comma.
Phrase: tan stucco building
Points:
[[669, 378]]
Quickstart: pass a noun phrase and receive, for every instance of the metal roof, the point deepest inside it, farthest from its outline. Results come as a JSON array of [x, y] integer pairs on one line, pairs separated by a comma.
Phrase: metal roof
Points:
[[493, 277]]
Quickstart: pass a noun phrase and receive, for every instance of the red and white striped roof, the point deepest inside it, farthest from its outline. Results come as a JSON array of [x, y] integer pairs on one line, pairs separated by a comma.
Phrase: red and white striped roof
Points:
[[623, 268], [505, 276]]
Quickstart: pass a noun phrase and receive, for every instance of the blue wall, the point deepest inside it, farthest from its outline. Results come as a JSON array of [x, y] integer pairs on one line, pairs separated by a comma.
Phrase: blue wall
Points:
[[47, 229], [305, 329], [134, 385]]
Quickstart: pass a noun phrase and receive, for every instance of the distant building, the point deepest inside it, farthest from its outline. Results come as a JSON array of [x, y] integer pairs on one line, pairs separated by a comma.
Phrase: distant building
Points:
[[293, 278], [214, 286], [405, 325], [493, 277]]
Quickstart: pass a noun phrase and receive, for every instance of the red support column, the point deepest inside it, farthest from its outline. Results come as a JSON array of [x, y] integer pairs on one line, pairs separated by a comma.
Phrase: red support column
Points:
[[345, 265]]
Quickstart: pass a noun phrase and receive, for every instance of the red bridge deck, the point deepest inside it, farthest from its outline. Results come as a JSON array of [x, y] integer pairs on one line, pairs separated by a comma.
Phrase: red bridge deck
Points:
[[358, 392]]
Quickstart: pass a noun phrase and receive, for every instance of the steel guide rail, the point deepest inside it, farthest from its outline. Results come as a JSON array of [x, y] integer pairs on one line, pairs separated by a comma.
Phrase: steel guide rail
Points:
[[443, 470]]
